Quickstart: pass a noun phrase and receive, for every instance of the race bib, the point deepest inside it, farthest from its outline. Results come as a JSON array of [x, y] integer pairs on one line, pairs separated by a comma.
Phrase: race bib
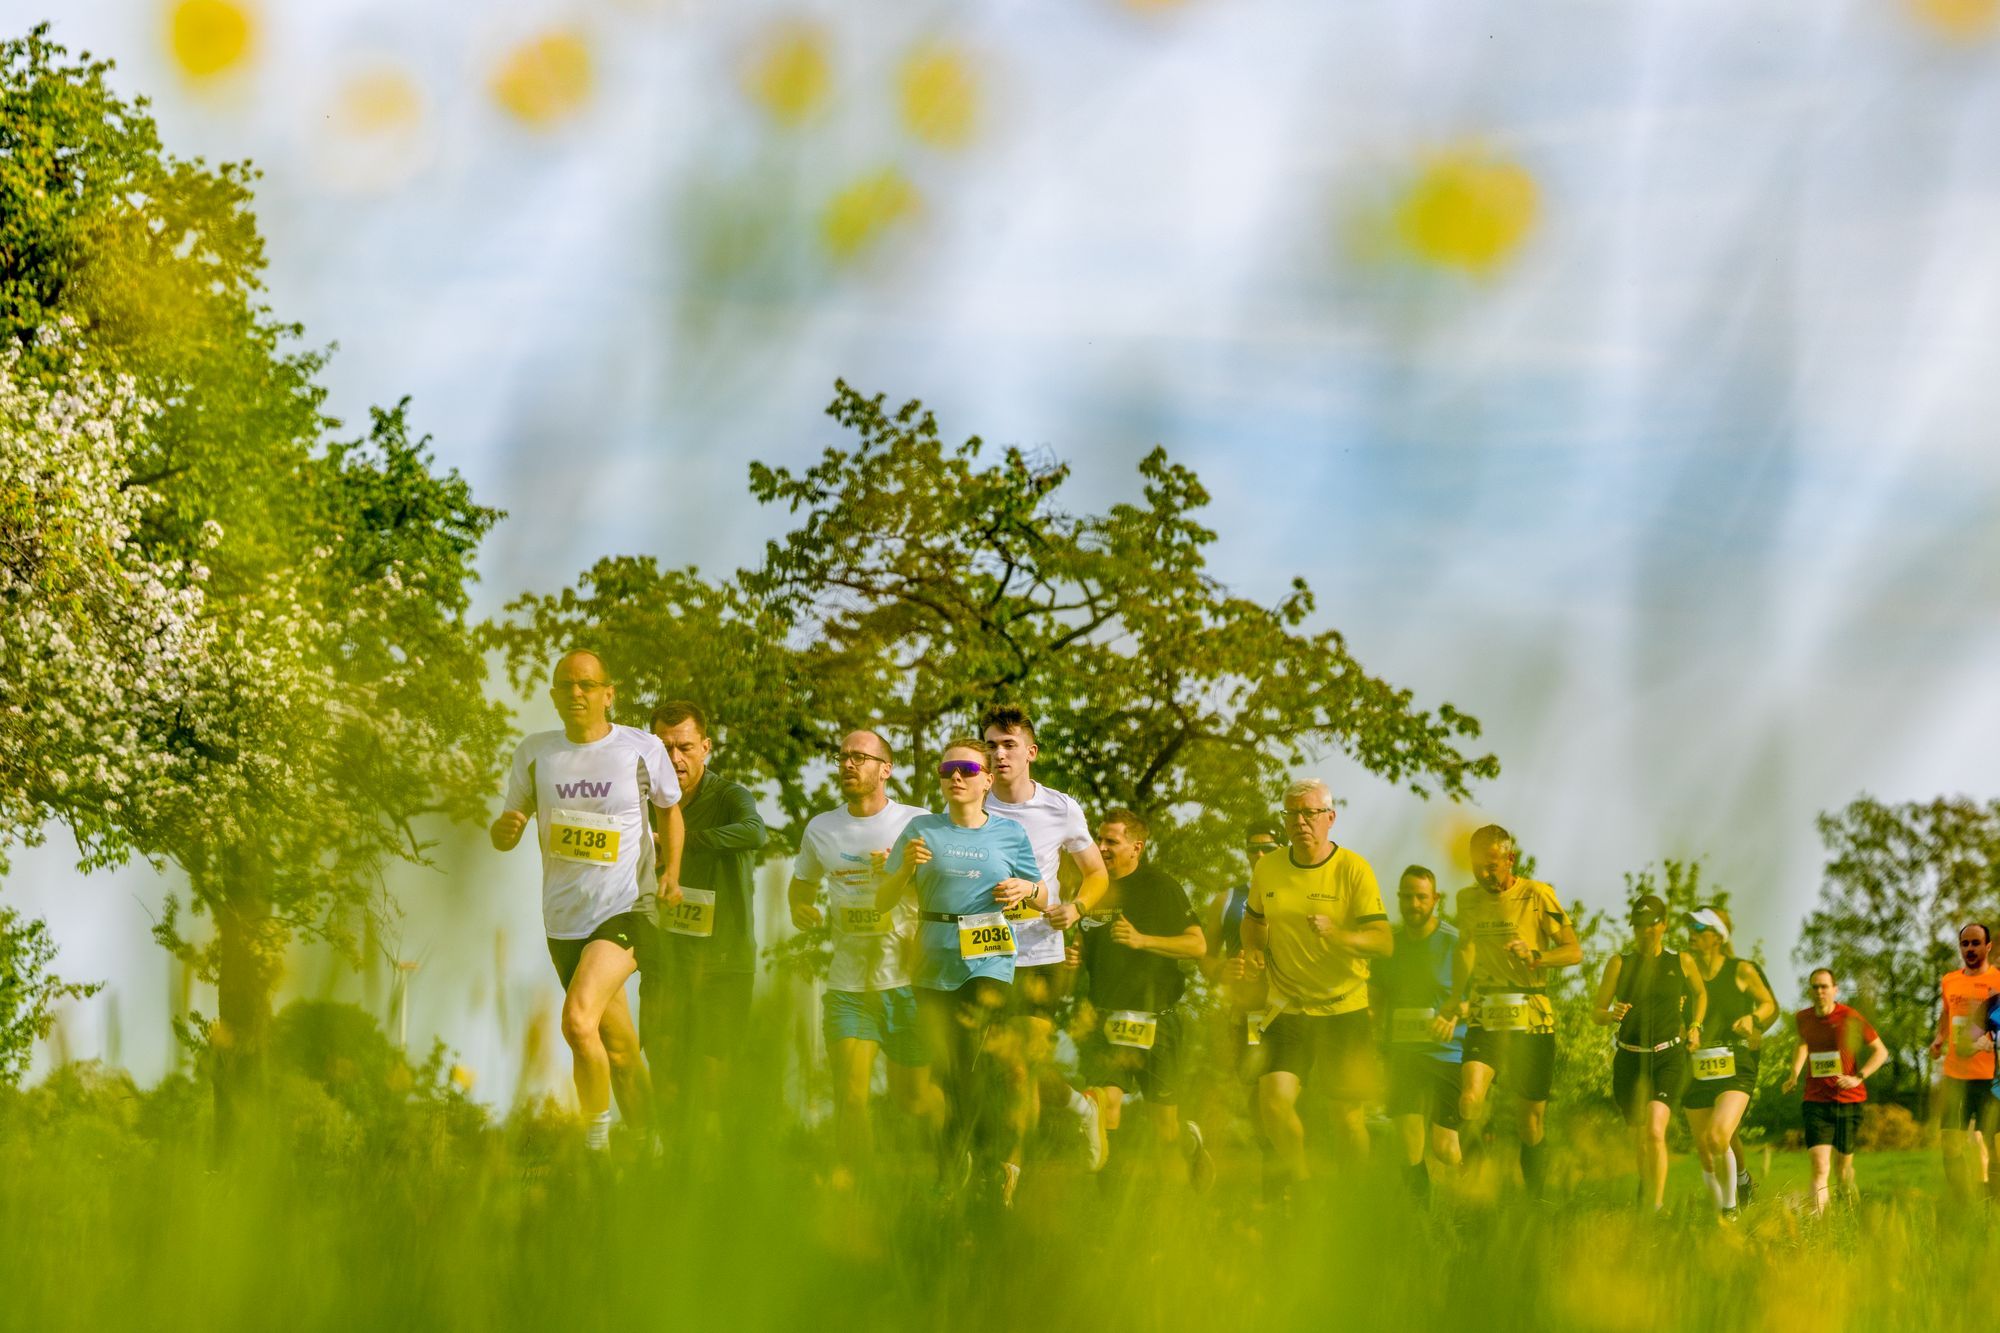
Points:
[[1713, 1062], [580, 835], [1411, 1027], [986, 935], [1253, 1030], [1129, 1027], [1504, 1012], [1824, 1064], [1964, 1031], [693, 915], [855, 913], [1025, 910]]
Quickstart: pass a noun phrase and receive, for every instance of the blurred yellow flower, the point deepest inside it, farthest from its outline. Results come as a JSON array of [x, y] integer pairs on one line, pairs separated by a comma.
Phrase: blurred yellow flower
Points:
[[859, 215], [1959, 18], [209, 37], [939, 95], [378, 101], [1465, 210], [462, 1078], [789, 74], [545, 80]]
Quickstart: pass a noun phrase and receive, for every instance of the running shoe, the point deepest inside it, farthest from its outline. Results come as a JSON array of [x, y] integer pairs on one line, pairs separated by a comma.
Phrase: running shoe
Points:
[[1093, 1130], [1201, 1166]]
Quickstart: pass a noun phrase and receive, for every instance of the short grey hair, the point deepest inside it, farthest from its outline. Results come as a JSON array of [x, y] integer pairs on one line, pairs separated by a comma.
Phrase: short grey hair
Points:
[[1305, 785]]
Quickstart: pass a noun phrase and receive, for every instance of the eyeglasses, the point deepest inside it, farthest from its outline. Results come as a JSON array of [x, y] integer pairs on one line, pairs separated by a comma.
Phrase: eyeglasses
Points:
[[1259, 848], [960, 768], [584, 686], [859, 757], [1309, 812]]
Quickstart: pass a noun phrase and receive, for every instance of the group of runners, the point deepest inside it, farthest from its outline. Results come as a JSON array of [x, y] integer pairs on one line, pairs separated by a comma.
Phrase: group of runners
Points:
[[961, 936]]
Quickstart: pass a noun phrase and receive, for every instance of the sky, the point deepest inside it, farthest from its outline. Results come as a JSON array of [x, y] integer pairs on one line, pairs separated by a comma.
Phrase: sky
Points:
[[1621, 373]]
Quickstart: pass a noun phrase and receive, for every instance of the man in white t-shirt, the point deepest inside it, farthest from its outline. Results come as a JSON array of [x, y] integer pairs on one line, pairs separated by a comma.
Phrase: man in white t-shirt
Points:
[[1058, 831], [589, 787], [868, 1005]]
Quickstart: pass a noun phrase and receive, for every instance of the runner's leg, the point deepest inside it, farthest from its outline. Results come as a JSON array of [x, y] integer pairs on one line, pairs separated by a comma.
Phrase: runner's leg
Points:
[[600, 974]]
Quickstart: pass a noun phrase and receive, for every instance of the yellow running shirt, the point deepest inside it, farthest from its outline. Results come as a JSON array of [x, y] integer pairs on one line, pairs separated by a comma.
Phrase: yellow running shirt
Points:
[[1304, 968], [1526, 910]]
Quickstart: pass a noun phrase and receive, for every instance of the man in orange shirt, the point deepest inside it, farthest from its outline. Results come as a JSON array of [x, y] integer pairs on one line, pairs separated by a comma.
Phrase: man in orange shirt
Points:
[[1968, 1112]]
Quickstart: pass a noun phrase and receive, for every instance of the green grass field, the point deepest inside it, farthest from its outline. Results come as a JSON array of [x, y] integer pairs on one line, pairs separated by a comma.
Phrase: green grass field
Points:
[[114, 1219]]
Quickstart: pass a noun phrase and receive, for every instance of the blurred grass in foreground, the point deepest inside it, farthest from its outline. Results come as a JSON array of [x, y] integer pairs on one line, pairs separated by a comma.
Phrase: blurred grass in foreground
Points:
[[115, 1216]]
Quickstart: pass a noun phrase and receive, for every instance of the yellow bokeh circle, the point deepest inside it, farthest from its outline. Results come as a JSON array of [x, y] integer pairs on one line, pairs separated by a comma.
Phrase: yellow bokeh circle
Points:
[[546, 79], [790, 74], [210, 37], [1467, 210], [938, 95], [859, 215]]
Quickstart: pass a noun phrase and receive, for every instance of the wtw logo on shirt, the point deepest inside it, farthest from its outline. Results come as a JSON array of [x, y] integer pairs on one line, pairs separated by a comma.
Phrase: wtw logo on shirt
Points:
[[574, 789]]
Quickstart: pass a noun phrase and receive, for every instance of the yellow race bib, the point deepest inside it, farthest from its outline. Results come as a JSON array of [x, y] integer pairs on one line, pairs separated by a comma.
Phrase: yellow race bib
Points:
[[1129, 1027], [1824, 1064], [1713, 1062], [1025, 910], [580, 835], [986, 935], [855, 913], [693, 915], [1504, 1012], [1253, 1029], [1411, 1027]]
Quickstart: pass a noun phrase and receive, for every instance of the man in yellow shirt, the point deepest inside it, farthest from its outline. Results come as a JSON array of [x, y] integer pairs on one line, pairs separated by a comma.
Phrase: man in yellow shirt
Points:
[[1512, 932], [1314, 919]]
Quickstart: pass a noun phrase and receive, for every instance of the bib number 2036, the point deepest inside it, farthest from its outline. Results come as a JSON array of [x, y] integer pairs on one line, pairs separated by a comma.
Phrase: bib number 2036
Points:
[[693, 915], [581, 835], [986, 935]]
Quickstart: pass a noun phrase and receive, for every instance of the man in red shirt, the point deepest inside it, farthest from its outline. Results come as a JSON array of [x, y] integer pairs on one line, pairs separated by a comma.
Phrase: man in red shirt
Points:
[[1965, 1093], [1832, 1038]]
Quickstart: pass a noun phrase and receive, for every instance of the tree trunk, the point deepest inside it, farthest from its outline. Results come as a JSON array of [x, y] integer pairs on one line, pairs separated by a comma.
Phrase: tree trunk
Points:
[[246, 976]]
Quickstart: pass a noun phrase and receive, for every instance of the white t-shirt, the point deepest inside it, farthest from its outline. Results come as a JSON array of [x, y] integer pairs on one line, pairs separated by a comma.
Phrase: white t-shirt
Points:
[[1055, 825], [589, 803], [867, 946]]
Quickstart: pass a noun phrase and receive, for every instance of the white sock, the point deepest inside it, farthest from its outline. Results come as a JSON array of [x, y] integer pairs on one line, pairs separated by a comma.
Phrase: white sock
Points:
[[1078, 1102], [599, 1133], [1728, 1179], [1714, 1187]]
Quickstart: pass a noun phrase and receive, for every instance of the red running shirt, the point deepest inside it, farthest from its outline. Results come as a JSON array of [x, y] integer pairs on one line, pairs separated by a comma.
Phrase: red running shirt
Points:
[[1844, 1031]]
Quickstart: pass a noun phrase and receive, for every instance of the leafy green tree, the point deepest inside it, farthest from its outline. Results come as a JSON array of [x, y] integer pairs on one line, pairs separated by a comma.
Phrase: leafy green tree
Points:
[[1899, 882], [339, 699], [923, 582], [159, 262], [29, 992]]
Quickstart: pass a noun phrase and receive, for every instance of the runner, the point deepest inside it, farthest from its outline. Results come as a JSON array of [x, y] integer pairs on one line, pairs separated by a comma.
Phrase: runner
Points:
[[1134, 1046], [1965, 1092], [1228, 968], [966, 868], [1831, 1039], [588, 787], [1512, 933], [1057, 830], [1740, 1007], [868, 1005], [1656, 999], [1406, 990], [694, 1012], [1315, 917]]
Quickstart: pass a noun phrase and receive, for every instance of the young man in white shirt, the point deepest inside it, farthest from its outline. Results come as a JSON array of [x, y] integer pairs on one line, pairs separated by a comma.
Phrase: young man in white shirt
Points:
[[1059, 832]]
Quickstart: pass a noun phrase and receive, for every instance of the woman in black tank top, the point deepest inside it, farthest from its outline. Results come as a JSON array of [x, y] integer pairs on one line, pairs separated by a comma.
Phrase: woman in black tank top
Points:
[[1724, 1073], [1657, 1000]]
